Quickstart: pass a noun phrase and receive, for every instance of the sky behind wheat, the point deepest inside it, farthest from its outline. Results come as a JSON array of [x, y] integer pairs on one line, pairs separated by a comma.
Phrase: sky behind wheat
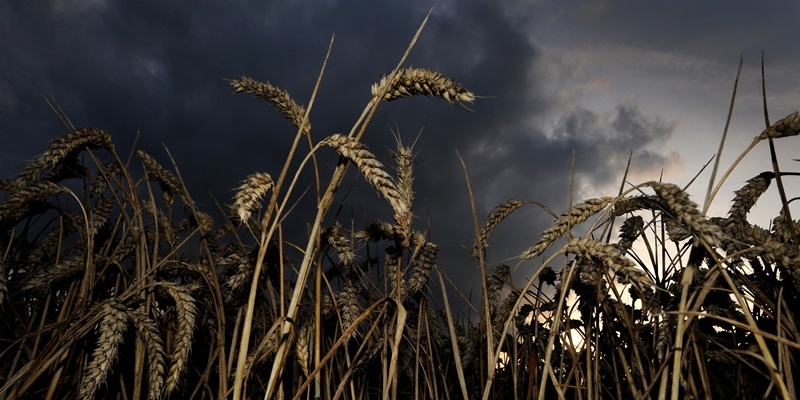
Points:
[[595, 81]]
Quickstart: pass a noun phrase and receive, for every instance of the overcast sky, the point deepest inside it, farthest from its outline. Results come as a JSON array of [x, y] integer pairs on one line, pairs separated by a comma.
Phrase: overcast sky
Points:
[[597, 79]]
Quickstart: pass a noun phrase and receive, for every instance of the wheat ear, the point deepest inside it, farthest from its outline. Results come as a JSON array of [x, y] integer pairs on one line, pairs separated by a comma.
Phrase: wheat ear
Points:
[[686, 212], [247, 198], [62, 147], [169, 183], [356, 152], [348, 303], [277, 97], [154, 347], [490, 223], [610, 257], [423, 264], [575, 216], [186, 312], [113, 324], [418, 81], [789, 126], [20, 198]]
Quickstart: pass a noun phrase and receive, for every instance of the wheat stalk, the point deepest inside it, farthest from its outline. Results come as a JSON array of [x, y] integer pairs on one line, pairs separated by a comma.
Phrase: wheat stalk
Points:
[[247, 199], [418, 81], [113, 322], [277, 97], [575, 216]]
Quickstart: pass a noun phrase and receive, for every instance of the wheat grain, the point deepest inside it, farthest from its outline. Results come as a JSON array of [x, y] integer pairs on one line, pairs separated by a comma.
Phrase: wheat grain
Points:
[[247, 198], [186, 312], [61, 148], [575, 216], [113, 322], [277, 97], [789, 126], [154, 348], [371, 168], [417, 81]]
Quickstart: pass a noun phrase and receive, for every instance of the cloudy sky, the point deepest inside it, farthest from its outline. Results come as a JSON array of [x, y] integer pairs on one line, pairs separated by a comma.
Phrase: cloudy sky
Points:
[[597, 79]]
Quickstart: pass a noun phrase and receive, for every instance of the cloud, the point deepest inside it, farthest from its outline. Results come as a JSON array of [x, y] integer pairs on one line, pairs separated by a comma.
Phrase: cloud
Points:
[[157, 70]]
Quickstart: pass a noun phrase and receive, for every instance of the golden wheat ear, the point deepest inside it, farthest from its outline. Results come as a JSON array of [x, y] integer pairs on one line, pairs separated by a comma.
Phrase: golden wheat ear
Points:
[[247, 198], [409, 82], [275, 96]]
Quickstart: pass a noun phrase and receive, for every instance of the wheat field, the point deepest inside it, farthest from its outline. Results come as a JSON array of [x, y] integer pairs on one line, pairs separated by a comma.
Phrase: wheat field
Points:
[[115, 285]]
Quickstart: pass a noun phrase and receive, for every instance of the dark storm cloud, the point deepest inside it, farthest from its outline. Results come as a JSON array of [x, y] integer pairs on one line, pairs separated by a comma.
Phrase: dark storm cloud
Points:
[[157, 68]]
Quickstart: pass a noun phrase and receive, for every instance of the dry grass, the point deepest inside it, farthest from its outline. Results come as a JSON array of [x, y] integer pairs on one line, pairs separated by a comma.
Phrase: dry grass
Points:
[[116, 290]]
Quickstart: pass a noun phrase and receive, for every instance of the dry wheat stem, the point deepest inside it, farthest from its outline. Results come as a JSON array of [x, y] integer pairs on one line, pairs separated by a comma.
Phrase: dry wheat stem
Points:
[[111, 328], [277, 97]]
